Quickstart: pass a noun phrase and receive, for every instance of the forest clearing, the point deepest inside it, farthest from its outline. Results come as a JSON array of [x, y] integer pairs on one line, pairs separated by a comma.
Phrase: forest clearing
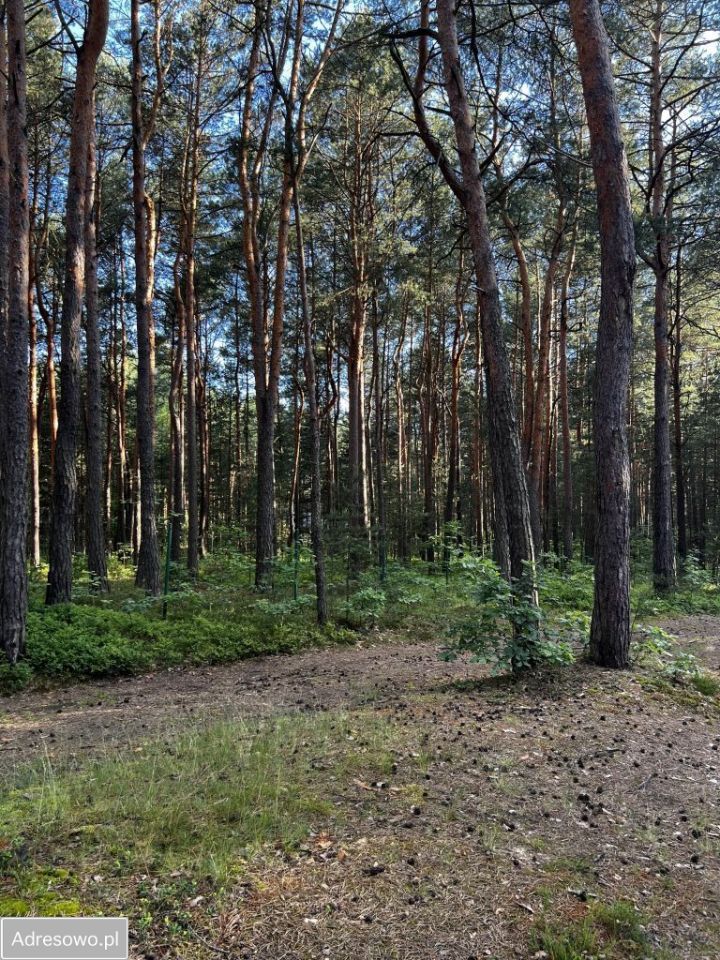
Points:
[[367, 797], [360, 479]]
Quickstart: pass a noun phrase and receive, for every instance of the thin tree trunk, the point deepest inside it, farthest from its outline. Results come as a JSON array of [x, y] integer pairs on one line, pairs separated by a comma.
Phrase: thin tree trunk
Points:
[[458, 348], [501, 405], [177, 454], [477, 474], [567, 520], [663, 541], [49, 319], [358, 229], [33, 404], [94, 519], [14, 352], [682, 538], [402, 459], [610, 631], [148, 560], [204, 421], [191, 410], [62, 529], [316, 518], [380, 503], [540, 425], [125, 476]]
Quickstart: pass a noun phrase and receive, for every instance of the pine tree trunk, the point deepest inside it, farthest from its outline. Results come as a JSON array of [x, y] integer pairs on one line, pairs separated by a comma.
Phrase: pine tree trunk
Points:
[[564, 401], [509, 470], [148, 554], [65, 485], [663, 541], [458, 348], [316, 518], [402, 459], [14, 353], [94, 514], [610, 631], [682, 537], [33, 405], [191, 410], [177, 454], [191, 417], [379, 445]]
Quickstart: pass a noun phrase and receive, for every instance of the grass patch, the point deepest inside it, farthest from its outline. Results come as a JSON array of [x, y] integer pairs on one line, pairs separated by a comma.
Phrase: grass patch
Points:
[[705, 683], [619, 920], [577, 941], [613, 931], [201, 804]]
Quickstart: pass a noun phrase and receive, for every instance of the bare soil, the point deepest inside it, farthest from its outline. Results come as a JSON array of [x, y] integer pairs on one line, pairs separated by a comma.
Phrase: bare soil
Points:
[[511, 805], [86, 717]]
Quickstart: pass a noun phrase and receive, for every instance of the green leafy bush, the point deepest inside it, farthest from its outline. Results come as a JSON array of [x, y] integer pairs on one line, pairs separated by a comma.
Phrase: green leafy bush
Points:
[[567, 587], [79, 641], [365, 606], [508, 630]]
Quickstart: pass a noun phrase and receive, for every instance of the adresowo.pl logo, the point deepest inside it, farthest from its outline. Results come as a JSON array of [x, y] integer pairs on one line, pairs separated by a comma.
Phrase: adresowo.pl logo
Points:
[[63, 938]]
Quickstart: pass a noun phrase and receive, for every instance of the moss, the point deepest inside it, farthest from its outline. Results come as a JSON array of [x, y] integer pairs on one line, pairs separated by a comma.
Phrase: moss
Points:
[[14, 907]]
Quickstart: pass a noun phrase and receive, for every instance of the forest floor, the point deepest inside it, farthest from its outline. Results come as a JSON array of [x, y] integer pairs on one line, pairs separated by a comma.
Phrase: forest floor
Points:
[[402, 808]]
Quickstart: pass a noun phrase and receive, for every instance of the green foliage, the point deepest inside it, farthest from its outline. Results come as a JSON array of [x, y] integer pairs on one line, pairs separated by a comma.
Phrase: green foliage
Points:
[[220, 617], [365, 607], [565, 586], [574, 942], [77, 641], [697, 592], [508, 630], [620, 920], [14, 678], [705, 684]]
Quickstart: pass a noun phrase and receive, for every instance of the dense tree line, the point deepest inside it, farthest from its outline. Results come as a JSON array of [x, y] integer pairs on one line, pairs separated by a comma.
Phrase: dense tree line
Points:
[[405, 276]]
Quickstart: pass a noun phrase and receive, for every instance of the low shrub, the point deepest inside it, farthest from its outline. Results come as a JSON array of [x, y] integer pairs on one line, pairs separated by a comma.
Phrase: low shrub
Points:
[[508, 629]]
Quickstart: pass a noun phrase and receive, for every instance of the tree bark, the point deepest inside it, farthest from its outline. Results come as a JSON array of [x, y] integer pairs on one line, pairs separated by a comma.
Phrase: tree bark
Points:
[[458, 348], [680, 496], [191, 414], [663, 541], [148, 561], [62, 533], [33, 404], [316, 518], [94, 513], [501, 404], [567, 520], [177, 454], [610, 630], [14, 503], [379, 444]]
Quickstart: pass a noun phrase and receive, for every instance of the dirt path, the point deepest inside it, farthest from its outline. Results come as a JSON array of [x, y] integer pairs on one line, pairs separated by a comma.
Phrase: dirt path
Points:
[[699, 635], [84, 717], [75, 719]]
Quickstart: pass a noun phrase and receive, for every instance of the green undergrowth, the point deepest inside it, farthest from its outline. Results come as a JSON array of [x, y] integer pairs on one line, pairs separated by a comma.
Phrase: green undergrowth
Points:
[[196, 806], [77, 641], [221, 618]]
